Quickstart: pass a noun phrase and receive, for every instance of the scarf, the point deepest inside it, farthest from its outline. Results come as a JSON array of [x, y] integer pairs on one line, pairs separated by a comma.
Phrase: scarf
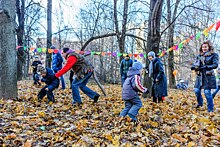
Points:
[[151, 68]]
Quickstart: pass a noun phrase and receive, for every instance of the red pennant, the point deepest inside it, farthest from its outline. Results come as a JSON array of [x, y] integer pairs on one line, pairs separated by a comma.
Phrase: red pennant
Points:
[[56, 51], [135, 55], [217, 26], [109, 53]]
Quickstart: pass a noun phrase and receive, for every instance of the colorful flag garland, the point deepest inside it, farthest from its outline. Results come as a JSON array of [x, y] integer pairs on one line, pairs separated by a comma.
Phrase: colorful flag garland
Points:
[[142, 55]]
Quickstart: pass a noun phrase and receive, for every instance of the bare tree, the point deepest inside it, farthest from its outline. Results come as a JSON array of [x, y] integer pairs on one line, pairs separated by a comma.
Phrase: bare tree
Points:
[[153, 37], [49, 32], [8, 79]]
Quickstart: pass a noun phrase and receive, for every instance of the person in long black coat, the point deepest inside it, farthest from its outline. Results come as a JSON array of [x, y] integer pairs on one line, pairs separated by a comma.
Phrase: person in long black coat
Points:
[[156, 72], [204, 66]]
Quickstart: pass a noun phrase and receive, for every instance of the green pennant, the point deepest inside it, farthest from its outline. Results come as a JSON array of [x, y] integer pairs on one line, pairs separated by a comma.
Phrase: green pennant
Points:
[[180, 45], [25, 48], [92, 53], [145, 55], [198, 35], [119, 54], [39, 50]]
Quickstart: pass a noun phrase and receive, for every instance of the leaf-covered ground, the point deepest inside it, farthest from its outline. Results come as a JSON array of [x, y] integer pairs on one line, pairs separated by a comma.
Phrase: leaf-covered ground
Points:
[[25, 122]]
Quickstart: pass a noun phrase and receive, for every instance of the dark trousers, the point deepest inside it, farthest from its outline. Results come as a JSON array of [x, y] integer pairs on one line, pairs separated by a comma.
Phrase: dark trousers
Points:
[[71, 78], [48, 92], [156, 99], [36, 78]]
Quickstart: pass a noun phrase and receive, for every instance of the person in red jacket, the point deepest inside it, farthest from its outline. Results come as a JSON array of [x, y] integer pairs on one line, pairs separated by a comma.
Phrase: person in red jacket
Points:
[[83, 70]]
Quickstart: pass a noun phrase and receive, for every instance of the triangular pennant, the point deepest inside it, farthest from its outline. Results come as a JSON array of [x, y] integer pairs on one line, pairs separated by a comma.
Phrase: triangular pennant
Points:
[[135, 55], [56, 51], [44, 50], [18, 47], [119, 54], [210, 28], [124, 55], [39, 50], [32, 49], [77, 51], [217, 25], [180, 45], [103, 53], [50, 50], [198, 35], [109, 53], [145, 55], [81, 52], [130, 55], [98, 53], [141, 55], [25, 48], [92, 53], [114, 54]]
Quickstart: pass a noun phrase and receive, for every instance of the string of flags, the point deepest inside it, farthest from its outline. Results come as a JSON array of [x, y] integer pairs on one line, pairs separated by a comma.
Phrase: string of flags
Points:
[[118, 54]]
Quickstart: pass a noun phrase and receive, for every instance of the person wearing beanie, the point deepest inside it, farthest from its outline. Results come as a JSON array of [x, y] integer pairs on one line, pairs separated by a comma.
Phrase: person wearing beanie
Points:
[[82, 70], [156, 73], [35, 65], [57, 61], [124, 66], [131, 87], [218, 84], [51, 83]]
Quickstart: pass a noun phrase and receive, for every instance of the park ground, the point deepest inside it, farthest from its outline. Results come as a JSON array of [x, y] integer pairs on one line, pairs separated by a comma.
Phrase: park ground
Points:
[[26, 122]]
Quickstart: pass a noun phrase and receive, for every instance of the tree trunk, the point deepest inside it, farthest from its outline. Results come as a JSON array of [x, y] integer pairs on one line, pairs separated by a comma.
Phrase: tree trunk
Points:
[[153, 37], [172, 82], [49, 32], [20, 33], [8, 79]]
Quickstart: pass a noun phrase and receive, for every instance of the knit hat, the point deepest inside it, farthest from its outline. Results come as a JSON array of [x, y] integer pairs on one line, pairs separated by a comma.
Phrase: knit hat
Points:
[[41, 69], [137, 65], [53, 47], [151, 53]]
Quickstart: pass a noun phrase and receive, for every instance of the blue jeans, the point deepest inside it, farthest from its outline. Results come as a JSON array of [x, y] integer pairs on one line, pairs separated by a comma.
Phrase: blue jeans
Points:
[[123, 78], [215, 92], [81, 83], [208, 96], [62, 80], [36, 78], [131, 108]]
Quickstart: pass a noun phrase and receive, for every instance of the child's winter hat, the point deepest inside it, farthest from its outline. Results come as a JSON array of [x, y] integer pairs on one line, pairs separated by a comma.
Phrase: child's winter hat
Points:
[[53, 47], [41, 69], [137, 65], [151, 53]]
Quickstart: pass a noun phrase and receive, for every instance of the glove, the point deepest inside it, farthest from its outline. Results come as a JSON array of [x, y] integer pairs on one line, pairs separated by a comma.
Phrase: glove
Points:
[[146, 91], [193, 68]]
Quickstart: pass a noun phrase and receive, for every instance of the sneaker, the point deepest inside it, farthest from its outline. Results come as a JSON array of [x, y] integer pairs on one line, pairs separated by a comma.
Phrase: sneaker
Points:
[[76, 104], [96, 98], [198, 106]]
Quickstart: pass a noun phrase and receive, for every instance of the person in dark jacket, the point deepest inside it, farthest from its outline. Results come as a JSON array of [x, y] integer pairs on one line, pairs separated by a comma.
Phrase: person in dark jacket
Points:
[[218, 84], [35, 74], [51, 83], [57, 65], [131, 87], [204, 66], [83, 70], [125, 64], [156, 72]]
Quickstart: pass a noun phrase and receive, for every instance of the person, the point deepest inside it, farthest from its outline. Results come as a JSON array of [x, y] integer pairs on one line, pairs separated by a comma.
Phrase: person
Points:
[[182, 85], [156, 72], [124, 66], [131, 87], [204, 66], [218, 84], [35, 66], [57, 62], [83, 70], [51, 83]]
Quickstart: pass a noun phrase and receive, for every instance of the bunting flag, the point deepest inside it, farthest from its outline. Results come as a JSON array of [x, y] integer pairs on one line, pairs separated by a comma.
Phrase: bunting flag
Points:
[[136, 55]]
